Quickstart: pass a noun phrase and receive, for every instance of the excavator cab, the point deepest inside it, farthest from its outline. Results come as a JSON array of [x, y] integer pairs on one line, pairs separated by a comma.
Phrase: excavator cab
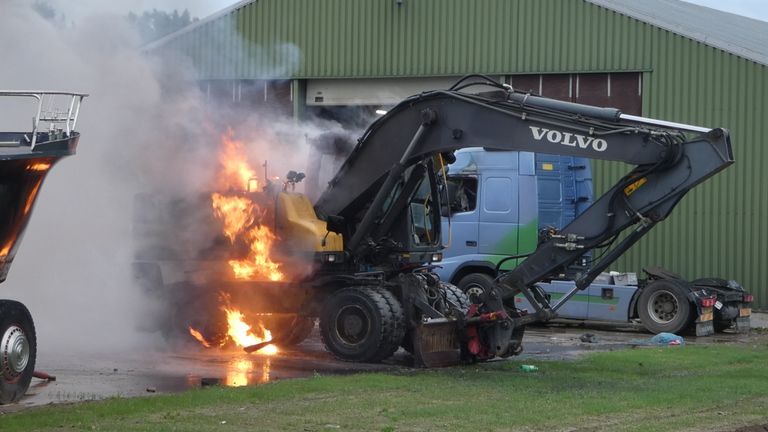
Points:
[[415, 235]]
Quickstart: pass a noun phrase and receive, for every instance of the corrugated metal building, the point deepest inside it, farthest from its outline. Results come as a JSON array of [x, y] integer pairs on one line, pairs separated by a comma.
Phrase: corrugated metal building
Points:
[[660, 58]]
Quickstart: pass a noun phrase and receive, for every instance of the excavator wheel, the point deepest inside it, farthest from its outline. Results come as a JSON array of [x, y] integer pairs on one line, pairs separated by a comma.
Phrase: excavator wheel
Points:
[[362, 324], [18, 350], [290, 331], [455, 295]]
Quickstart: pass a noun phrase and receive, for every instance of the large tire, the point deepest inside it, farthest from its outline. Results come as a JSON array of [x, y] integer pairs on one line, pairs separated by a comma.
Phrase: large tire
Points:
[[455, 295], [475, 284], [362, 324], [664, 307], [291, 331], [18, 350]]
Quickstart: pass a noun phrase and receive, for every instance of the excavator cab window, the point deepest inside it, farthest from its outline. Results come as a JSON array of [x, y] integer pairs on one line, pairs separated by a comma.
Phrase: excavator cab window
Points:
[[422, 210]]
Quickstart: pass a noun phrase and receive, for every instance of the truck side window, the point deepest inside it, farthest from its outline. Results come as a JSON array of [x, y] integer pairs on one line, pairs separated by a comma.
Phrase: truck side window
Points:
[[462, 194]]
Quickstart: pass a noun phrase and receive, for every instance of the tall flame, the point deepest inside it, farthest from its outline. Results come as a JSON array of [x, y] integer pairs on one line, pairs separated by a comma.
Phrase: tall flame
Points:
[[241, 220], [239, 214], [258, 264], [236, 172], [235, 212], [240, 332]]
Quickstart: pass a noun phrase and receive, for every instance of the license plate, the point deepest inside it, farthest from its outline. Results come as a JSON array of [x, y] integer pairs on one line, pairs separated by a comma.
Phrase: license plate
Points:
[[706, 314], [745, 312]]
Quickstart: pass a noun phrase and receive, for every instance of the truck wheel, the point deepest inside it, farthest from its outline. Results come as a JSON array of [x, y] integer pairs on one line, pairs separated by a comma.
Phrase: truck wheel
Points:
[[475, 284], [664, 307], [18, 350], [362, 324]]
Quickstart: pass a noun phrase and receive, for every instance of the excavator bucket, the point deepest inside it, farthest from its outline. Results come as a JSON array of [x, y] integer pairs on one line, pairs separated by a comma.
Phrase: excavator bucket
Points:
[[437, 343]]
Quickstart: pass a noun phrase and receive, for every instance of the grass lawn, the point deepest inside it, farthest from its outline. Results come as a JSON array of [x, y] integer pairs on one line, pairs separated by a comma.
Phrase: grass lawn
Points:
[[650, 389]]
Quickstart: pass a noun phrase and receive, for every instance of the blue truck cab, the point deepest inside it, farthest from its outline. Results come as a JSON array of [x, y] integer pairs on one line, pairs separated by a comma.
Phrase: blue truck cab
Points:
[[500, 202]]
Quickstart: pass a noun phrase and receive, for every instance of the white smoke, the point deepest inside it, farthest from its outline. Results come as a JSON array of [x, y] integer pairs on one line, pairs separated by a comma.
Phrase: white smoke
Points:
[[79, 9], [146, 126]]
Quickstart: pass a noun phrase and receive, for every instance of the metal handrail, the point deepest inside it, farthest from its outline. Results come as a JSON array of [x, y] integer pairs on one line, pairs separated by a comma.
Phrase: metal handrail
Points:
[[52, 117]]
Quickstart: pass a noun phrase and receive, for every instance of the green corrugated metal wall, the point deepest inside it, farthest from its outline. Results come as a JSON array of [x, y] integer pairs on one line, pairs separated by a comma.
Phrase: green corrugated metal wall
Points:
[[717, 230], [377, 38]]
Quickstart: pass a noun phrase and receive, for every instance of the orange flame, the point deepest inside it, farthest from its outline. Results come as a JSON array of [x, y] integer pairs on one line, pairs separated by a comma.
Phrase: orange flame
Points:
[[6, 249], [235, 212], [32, 195], [258, 264], [39, 166], [240, 332], [239, 213], [240, 370], [241, 221], [236, 172], [199, 336]]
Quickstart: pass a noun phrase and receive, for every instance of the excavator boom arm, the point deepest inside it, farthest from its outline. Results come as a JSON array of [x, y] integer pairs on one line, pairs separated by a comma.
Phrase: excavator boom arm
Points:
[[669, 159]]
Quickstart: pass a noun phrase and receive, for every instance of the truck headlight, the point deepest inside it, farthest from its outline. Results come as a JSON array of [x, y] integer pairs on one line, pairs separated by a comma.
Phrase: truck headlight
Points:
[[437, 257]]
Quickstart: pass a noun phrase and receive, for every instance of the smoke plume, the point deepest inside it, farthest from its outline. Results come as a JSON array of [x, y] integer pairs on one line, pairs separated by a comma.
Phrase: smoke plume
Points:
[[146, 127]]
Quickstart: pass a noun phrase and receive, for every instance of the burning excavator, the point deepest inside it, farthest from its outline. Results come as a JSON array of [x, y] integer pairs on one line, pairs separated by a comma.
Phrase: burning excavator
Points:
[[359, 259], [25, 160]]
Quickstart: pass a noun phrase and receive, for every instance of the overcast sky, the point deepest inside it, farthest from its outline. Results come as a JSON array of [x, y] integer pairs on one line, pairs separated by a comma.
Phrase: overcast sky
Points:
[[201, 8]]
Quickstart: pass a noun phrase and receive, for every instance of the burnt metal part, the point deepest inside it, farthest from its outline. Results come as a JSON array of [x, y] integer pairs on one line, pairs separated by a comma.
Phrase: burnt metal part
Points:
[[256, 347], [44, 376], [290, 330]]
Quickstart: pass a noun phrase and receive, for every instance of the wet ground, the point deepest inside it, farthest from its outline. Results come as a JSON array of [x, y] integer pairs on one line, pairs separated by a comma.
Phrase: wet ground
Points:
[[81, 377]]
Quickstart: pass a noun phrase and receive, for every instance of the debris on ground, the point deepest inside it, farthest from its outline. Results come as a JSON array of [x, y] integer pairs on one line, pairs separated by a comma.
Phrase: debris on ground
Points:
[[661, 339], [43, 376], [528, 368], [205, 382], [588, 338], [667, 339], [151, 390]]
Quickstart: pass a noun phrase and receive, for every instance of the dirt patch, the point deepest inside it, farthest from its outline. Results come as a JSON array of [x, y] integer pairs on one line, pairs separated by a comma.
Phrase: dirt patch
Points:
[[760, 428]]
